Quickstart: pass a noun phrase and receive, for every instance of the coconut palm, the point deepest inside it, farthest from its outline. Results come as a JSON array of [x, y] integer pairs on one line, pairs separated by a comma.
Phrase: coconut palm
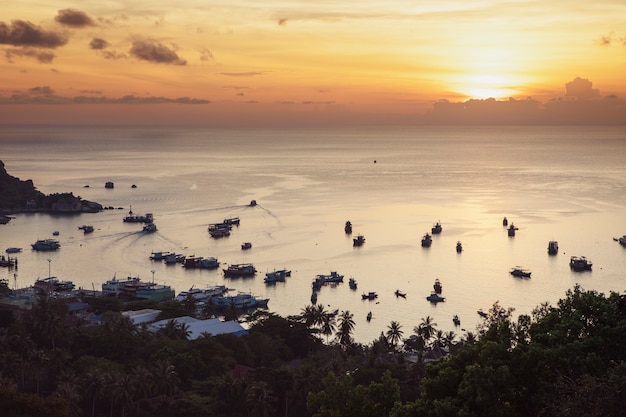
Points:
[[426, 329], [346, 326], [394, 333], [327, 326]]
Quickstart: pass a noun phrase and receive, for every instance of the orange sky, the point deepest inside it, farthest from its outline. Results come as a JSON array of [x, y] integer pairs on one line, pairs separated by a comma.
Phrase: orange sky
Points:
[[279, 62]]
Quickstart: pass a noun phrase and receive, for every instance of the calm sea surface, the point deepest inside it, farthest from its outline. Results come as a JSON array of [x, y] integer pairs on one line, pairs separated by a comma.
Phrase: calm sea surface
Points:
[[554, 183]]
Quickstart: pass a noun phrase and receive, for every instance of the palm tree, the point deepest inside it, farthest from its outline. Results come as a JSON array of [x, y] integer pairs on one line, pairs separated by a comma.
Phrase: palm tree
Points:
[[308, 315], [426, 329], [394, 333], [449, 337], [328, 324], [165, 378], [346, 326], [259, 399]]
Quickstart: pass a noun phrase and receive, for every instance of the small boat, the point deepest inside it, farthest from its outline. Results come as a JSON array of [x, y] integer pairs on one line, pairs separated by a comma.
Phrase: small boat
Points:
[[276, 276], [437, 286], [399, 293], [158, 256], [348, 227], [580, 263], [436, 229], [358, 241], [13, 250], [352, 283], [46, 245], [55, 233], [313, 297], [246, 245], [482, 314], [511, 230], [427, 240], [621, 240], [520, 272], [369, 296], [369, 316], [459, 247], [4, 219], [240, 270], [86, 228], [435, 298], [456, 320], [150, 228], [553, 247], [232, 220], [505, 222], [252, 203]]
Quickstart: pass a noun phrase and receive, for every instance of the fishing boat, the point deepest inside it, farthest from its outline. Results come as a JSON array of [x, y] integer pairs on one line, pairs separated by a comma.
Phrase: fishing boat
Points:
[[239, 270], [436, 229], [505, 222], [369, 296], [13, 250], [352, 283], [150, 228], [580, 263], [520, 272], [399, 293], [246, 245], [459, 247], [553, 247], [427, 240], [456, 320], [276, 276], [482, 314], [348, 227], [435, 298], [313, 297], [232, 221], [358, 241], [369, 316], [46, 245], [158, 256], [511, 230], [437, 286], [86, 228]]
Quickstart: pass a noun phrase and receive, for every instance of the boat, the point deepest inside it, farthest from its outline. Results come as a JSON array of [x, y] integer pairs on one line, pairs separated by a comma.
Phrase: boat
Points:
[[150, 228], [115, 287], [8, 262], [232, 221], [313, 297], [148, 218], [246, 245], [435, 298], [86, 228], [520, 272], [427, 240], [4, 219], [511, 230], [252, 203], [199, 294], [352, 283], [333, 277], [369, 316], [276, 276], [505, 222], [621, 240], [55, 233], [399, 293], [155, 292], [240, 270], [13, 250], [173, 258], [553, 247], [437, 286], [456, 320], [218, 230], [51, 284], [580, 263], [348, 227], [201, 262], [436, 229], [358, 241], [369, 296], [46, 245], [482, 314], [239, 301], [459, 247], [158, 256]]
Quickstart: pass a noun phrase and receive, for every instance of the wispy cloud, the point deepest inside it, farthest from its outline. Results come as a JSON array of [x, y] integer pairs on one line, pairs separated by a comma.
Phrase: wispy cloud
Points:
[[22, 33], [98, 44], [45, 57]]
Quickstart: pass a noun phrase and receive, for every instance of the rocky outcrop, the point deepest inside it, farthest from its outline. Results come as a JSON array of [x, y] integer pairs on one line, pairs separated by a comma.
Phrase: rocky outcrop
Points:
[[21, 196]]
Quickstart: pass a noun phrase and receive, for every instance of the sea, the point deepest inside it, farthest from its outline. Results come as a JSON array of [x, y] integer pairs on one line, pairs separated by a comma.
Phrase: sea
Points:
[[392, 183]]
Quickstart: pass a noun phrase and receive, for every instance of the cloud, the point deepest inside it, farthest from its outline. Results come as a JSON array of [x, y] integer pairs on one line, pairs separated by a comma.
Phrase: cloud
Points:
[[581, 89], [46, 95], [242, 74], [45, 57], [206, 55], [113, 55], [98, 44], [21, 33], [153, 51], [74, 18]]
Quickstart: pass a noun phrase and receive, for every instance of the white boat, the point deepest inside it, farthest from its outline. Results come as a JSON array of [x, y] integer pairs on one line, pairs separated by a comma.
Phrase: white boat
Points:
[[322, 279], [240, 301], [158, 256], [114, 286], [200, 294], [435, 298]]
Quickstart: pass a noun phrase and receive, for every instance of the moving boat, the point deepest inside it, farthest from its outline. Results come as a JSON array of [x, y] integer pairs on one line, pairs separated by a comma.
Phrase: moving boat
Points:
[[435, 298], [240, 270], [553, 247], [427, 240], [436, 229], [358, 241], [437, 286], [150, 228], [580, 263], [46, 245], [520, 272]]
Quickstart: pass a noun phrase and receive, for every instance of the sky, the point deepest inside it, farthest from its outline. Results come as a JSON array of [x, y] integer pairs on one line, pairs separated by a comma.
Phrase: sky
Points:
[[323, 63]]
